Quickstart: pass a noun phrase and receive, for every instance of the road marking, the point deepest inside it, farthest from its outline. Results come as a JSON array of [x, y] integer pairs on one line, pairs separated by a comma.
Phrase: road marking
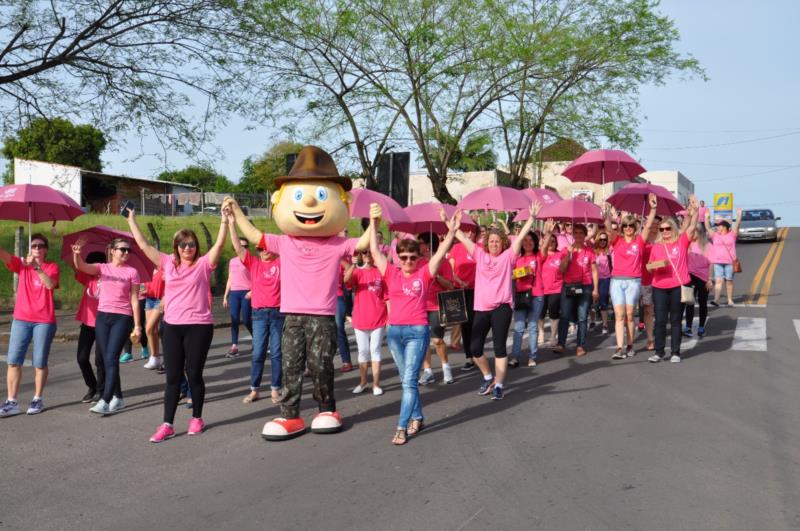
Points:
[[765, 288], [797, 327], [753, 293], [750, 334]]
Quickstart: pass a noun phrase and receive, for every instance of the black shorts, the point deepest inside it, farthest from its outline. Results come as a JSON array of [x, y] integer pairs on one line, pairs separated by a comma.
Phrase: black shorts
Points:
[[437, 330], [552, 306]]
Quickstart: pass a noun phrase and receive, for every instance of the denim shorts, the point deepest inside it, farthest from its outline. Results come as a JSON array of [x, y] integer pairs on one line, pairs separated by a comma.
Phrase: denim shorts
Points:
[[625, 291], [723, 271], [151, 304], [21, 334]]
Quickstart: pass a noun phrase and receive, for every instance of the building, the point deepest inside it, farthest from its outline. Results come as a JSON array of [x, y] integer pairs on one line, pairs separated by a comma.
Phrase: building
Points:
[[677, 183], [105, 193]]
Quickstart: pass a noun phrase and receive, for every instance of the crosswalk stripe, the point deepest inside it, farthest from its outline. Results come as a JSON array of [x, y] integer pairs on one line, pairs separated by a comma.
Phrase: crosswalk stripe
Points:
[[797, 327], [750, 334]]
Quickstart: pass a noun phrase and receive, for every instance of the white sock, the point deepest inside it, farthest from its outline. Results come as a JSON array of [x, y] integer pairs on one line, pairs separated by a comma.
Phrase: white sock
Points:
[[12, 400], [429, 371], [488, 377], [498, 385], [445, 365], [37, 397]]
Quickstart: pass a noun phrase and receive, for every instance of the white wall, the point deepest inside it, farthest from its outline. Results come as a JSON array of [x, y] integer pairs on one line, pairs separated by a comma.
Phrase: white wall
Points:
[[58, 176]]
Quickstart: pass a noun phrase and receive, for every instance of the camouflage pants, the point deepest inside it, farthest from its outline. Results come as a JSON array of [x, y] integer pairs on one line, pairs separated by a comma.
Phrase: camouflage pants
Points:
[[311, 339]]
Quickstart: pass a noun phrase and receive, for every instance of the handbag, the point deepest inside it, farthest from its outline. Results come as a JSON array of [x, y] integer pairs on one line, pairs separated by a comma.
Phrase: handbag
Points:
[[687, 292], [574, 290], [737, 265], [522, 300]]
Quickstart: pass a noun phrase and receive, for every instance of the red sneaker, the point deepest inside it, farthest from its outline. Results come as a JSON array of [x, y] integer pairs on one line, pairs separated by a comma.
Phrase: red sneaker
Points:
[[347, 367], [327, 422], [281, 429]]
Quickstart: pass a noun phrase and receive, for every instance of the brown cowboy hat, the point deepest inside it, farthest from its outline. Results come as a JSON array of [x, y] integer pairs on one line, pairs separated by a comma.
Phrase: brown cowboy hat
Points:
[[314, 163]]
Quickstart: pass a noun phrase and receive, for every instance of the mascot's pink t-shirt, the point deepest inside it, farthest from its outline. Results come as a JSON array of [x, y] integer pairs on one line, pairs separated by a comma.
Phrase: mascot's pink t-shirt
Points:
[[115, 288], [676, 272], [266, 281], [369, 298], [628, 257], [493, 279], [187, 292], [408, 295], [34, 302], [552, 279], [308, 285]]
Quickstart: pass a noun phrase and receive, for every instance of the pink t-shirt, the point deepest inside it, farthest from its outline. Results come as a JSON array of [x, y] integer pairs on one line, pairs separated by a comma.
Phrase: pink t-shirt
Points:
[[493, 279], [115, 288], [538, 282], [463, 264], [698, 261], [580, 267], [369, 302], [526, 283], [87, 308], [187, 293], [446, 272], [239, 275], [628, 257], [603, 266], [724, 249], [155, 288], [647, 276], [676, 272], [34, 302], [552, 279], [407, 295], [266, 281], [313, 271], [564, 240]]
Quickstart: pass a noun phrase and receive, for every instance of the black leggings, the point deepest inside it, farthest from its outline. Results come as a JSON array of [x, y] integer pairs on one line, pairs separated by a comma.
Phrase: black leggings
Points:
[[499, 321], [701, 296], [85, 342], [466, 327], [552, 306], [185, 347], [667, 304]]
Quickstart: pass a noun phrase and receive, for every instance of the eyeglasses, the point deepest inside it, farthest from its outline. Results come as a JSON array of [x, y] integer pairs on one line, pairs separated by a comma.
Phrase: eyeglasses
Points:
[[628, 225], [187, 245], [123, 250], [38, 246], [664, 229], [408, 257]]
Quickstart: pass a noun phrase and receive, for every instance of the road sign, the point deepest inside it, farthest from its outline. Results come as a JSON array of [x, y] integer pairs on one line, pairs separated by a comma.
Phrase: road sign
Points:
[[723, 205]]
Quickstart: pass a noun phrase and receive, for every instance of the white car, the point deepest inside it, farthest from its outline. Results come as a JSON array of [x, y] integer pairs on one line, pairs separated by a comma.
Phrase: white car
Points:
[[758, 224]]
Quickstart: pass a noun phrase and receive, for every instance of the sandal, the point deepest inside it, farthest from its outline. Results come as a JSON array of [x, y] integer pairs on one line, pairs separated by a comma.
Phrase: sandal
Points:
[[400, 437], [276, 396], [415, 426], [249, 399], [651, 347]]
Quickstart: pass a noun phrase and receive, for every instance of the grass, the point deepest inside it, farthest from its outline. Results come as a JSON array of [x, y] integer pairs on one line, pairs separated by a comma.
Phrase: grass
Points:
[[70, 291]]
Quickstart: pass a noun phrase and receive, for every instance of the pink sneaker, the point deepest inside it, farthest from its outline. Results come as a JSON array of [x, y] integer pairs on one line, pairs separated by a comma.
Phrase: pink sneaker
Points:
[[163, 433], [196, 426]]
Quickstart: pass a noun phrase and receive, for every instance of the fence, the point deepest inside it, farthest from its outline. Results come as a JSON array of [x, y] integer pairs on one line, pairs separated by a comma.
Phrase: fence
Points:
[[191, 203]]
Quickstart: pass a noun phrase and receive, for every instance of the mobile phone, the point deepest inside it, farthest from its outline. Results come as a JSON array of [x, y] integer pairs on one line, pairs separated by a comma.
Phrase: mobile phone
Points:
[[124, 210]]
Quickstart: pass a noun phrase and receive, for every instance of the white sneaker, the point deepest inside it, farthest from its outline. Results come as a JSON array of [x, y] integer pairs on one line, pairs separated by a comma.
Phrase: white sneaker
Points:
[[377, 391], [448, 374], [9, 409], [101, 407], [655, 358], [675, 359], [426, 378], [359, 389], [153, 363], [116, 404]]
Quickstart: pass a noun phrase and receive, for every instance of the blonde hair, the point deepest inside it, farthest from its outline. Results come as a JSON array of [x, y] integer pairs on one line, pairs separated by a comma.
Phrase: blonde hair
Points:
[[342, 195], [671, 222]]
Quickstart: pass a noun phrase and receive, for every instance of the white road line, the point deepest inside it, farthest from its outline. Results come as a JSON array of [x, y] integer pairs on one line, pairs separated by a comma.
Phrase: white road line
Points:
[[751, 334], [797, 327]]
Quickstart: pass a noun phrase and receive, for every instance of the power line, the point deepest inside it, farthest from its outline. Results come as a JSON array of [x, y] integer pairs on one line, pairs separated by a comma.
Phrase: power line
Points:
[[761, 139], [746, 175], [713, 164], [716, 131]]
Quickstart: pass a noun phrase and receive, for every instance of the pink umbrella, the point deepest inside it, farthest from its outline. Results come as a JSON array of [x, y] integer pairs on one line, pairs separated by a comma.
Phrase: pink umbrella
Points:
[[602, 166], [568, 210], [36, 203], [633, 198], [501, 198], [96, 240], [362, 198], [424, 217], [543, 195]]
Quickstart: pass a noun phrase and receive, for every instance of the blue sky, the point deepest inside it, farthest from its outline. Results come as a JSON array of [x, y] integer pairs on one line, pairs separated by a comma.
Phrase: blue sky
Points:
[[750, 52]]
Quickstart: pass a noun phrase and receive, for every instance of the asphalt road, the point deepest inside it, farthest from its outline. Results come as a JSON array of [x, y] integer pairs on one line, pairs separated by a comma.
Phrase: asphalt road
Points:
[[710, 443]]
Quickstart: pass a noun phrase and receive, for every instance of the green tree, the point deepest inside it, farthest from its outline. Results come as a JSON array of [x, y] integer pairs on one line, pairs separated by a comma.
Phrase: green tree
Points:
[[475, 155], [204, 177], [259, 174], [58, 141]]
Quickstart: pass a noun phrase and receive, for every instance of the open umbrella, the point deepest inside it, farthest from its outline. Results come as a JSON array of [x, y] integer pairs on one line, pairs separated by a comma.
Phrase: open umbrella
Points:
[[633, 198], [97, 238], [602, 166], [424, 217], [543, 195], [500, 198], [568, 210], [36, 203], [362, 198]]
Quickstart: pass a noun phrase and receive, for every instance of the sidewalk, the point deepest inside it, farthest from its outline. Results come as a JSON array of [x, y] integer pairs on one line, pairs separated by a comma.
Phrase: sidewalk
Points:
[[69, 328]]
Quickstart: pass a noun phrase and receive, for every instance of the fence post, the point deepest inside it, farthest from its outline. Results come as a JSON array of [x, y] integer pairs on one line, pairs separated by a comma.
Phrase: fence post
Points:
[[154, 235]]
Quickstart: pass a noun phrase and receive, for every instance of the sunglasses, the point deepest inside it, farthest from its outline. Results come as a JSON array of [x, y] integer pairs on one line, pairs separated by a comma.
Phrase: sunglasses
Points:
[[123, 250], [187, 245], [408, 257], [628, 225], [664, 229], [365, 253], [602, 239], [38, 246]]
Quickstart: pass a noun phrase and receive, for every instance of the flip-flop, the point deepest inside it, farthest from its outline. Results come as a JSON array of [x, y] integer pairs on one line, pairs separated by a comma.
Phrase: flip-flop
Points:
[[400, 438]]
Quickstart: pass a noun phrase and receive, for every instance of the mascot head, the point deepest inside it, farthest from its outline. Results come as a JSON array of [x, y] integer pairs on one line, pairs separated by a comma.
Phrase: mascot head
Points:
[[313, 200]]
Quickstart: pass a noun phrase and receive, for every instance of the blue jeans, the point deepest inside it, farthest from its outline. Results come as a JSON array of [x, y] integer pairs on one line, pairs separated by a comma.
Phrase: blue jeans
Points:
[[604, 289], [239, 306], [531, 315], [341, 335], [21, 334], [569, 307], [111, 331], [267, 325], [408, 344]]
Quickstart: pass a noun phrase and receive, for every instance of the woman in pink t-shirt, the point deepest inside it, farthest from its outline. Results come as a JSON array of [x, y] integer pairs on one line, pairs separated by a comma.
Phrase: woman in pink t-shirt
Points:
[[464, 277], [87, 316], [669, 263], [604, 263], [188, 321], [552, 281], [369, 316], [527, 303], [699, 272], [494, 299], [723, 254], [579, 290], [117, 313], [409, 334], [237, 299]]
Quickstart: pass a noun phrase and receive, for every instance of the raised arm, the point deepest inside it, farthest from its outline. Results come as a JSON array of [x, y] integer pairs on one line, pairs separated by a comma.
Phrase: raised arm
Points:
[[691, 227], [735, 227], [363, 241], [613, 234], [149, 251], [516, 245], [452, 227], [375, 213], [216, 250], [651, 216], [707, 223], [241, 252], [80, 265], [544, 248], [249, 230]]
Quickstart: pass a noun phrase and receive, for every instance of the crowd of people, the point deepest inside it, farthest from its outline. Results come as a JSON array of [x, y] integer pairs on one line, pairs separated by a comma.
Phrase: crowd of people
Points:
[[647, 271]]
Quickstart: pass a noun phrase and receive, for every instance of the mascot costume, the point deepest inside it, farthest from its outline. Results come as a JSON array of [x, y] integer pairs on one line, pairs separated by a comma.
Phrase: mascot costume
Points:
[[310, 207]]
